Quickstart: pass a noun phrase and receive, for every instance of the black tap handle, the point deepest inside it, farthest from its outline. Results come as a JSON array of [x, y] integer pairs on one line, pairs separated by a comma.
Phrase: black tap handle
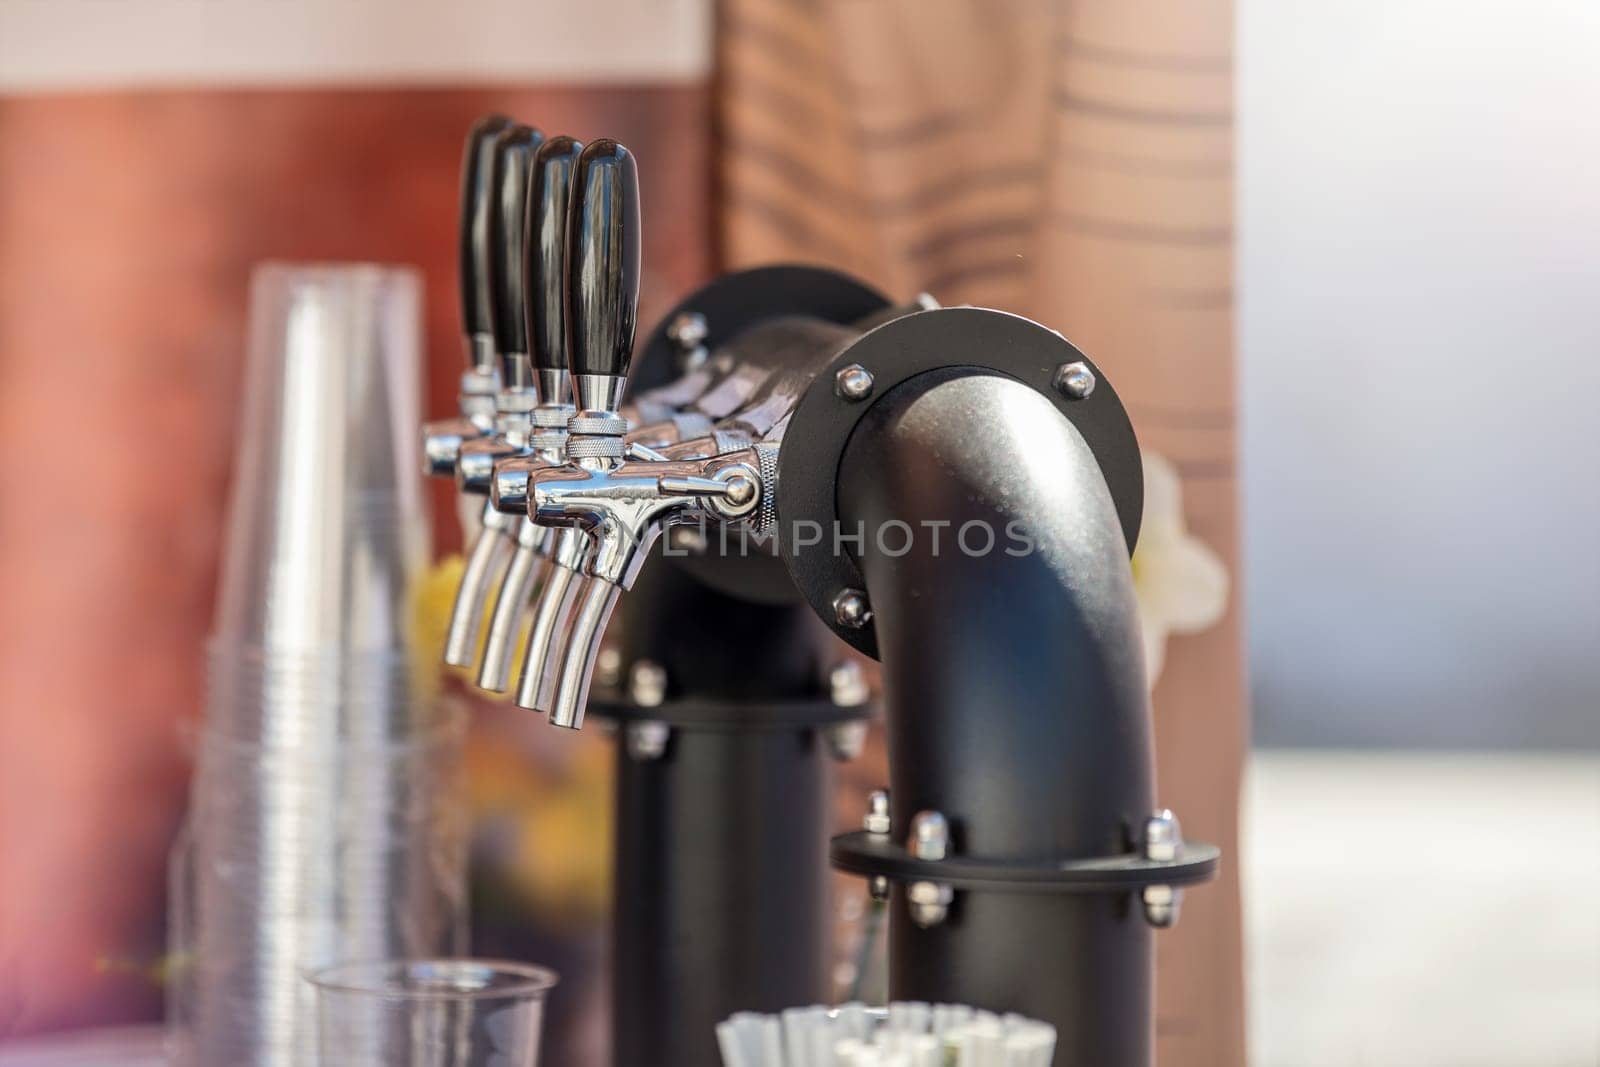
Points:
[[603, 261], [545, 275], [508, 224], [477, 190]]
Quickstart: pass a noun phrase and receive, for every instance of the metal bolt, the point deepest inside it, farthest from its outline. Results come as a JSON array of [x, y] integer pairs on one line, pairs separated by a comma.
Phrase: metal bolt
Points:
[[930, 836], [1161, 905], [1162, 836], [647, 739], [929, 902], [647, 684], [853, 382], [929, 840], [877, 820], [878, 887], [1163, 840], [847, 685], [851, 609], [608, 667], [845, 740], [688, 330], [1075, 380]]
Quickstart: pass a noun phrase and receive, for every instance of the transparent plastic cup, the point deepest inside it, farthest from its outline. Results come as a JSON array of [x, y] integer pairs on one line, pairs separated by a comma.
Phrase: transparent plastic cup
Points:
[[431, 1013]]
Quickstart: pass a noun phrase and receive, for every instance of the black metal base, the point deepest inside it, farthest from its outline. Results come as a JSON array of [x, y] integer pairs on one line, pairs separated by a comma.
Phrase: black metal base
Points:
[[721, 887], [721, 851]]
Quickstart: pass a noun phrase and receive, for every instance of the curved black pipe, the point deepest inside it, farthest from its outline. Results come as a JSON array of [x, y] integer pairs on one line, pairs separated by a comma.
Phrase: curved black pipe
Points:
[[1015, 697]]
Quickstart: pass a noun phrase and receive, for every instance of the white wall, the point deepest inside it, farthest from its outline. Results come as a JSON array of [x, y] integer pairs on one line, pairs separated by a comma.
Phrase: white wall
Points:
[[1419, 279]]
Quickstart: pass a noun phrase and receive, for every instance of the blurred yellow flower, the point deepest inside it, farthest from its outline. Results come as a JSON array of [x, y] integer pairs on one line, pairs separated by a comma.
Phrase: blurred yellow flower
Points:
[[548, 824], [435, 599]]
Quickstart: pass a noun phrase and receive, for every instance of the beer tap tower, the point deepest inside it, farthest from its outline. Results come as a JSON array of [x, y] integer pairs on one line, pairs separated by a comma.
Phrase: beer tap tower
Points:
[[953, 491]]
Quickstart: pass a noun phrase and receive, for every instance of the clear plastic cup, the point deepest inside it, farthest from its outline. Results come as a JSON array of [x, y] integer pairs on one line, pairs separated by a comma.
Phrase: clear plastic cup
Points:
[[431, 1013]]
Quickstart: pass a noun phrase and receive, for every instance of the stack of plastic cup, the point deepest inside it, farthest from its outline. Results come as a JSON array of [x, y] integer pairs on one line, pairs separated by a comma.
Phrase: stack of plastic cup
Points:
[[325, 821]]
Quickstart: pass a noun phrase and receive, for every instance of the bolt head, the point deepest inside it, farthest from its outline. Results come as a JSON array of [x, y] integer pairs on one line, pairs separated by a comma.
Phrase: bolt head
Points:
[[1161, 905], [647, 684], [845, 740], [608, 667], [851, 609], [853, 382], [878, 887], [847, 685], [647, 739], [688, 330], [1163, 837], [877, 820], [929, 902], [1075, 380], [930, 836]]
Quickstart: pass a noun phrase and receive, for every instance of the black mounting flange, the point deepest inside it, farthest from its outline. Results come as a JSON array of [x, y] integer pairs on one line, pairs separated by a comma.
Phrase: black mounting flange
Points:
[[875, 855], [979, 339]]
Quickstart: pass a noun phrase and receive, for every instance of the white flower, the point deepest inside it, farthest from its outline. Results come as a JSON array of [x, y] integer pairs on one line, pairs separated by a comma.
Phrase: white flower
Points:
[[1181, 584]]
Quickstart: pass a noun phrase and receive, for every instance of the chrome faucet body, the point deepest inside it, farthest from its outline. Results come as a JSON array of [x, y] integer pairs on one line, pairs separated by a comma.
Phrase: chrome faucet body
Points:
[[625, 504]]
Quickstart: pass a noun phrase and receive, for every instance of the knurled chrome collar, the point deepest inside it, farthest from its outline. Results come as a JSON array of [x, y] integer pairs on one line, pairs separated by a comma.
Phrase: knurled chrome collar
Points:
[[589, 423], [766, 516], [552, 416], [729, 441], [607, 447], [549, 441]]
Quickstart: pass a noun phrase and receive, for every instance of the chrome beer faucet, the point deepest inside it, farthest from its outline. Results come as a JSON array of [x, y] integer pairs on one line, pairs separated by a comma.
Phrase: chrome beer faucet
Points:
[[442, 439], [541, 554], [601, 292], [617, 494], [504, 179], [668, 412], [623, 508], [529, 245]]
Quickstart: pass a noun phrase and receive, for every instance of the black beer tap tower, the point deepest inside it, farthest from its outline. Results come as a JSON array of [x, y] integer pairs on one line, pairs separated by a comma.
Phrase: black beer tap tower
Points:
[[982, 484]]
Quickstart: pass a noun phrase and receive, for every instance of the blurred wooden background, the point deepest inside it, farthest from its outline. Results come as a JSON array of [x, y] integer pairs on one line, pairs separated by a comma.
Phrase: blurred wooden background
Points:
[[1072, 162]]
